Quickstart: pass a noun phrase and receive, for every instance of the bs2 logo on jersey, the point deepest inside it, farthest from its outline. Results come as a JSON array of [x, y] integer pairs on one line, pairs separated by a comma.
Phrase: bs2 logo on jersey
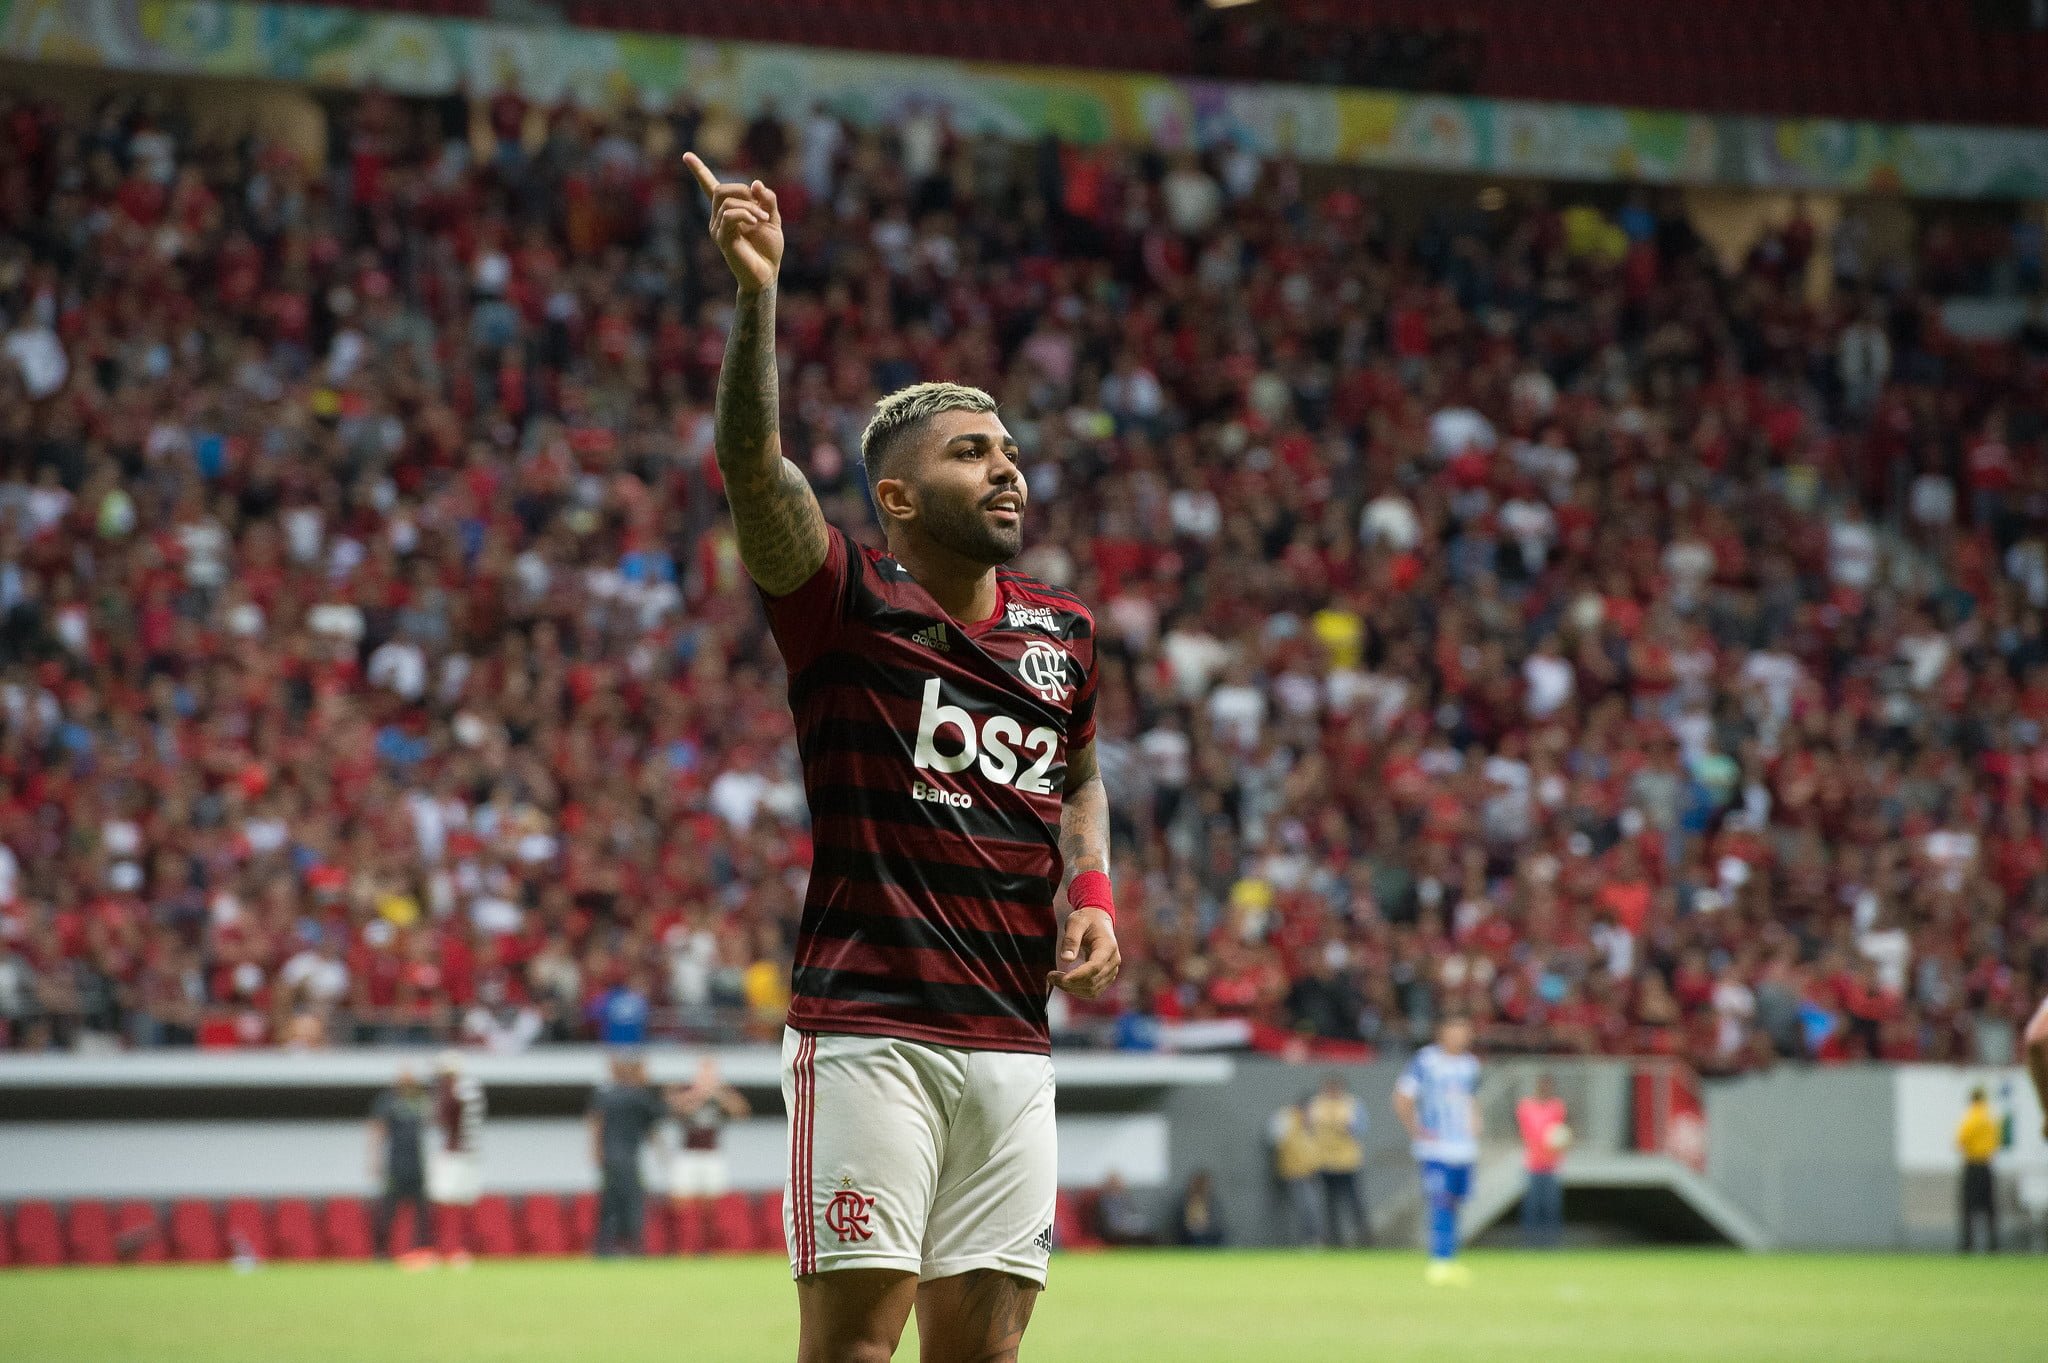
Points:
[[994, 743]]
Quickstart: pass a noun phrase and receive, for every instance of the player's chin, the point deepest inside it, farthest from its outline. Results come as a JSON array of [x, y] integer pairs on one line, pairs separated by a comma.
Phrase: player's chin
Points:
[[999, 543]]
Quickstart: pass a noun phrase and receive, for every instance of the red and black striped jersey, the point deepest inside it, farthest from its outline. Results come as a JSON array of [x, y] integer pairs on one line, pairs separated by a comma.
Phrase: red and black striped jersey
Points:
[[935, 760]]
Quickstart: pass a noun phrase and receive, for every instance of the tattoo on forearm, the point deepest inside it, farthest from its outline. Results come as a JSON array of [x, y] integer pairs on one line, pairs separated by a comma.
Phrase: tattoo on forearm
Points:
[[1084, 827], [749, 402], [781, 531]]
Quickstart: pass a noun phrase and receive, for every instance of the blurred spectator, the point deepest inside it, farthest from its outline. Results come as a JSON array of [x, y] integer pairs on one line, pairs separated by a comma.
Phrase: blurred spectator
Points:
[[1296, 1164], [621, 1012], [1197, 1219], [1540, 1117], [1978, 1139], [398, 1144], [1121, 1216], [1336, 1131], [624, 1112]]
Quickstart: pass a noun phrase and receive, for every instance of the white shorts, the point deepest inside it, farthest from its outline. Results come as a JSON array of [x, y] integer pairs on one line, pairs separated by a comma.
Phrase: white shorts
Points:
[[930, 1159], [697, 1173], [453, 1178]]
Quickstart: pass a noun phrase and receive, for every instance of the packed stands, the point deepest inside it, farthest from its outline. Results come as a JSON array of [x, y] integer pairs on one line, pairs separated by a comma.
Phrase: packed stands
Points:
[[1957, 61], [1524, 613]]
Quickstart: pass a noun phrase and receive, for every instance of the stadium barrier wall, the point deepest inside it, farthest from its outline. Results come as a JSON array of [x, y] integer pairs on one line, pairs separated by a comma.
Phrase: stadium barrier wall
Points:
[[267, 1124], [1809, 1153], [1837, 1158], [420, 55]]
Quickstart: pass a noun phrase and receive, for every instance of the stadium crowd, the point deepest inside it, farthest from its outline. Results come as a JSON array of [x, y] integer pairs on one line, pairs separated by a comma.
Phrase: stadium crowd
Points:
[[1520, 614]]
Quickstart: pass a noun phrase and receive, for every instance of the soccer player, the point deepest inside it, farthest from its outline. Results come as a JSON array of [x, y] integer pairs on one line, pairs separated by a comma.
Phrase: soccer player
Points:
[[697, 1174], [454, 1178], [945, 716], [1436, 1098]]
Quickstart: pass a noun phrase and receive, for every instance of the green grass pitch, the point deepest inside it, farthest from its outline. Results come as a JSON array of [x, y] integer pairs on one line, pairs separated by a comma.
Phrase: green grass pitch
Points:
[[1634, 1307]]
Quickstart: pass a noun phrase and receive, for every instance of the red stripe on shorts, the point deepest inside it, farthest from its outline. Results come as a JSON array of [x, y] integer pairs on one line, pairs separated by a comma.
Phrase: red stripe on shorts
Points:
[[807, 1229]]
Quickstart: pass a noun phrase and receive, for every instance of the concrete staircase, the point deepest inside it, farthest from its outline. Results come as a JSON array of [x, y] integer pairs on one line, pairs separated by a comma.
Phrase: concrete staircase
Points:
[[1599, 1103]]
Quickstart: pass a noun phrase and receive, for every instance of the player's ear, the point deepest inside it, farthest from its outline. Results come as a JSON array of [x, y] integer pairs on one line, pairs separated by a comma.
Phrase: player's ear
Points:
[[895, 499]]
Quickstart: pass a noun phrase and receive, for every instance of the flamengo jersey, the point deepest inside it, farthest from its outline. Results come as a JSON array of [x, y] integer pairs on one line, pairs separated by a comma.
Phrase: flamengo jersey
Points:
[[935, 760], [458, 1113]]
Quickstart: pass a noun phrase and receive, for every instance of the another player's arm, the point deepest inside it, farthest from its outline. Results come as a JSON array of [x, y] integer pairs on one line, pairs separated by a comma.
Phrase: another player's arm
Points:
[[735, 1103], [378, 1140], [2037, 1058], [1404, 1106], [1089, 958], [596, 1140], [781, 530]]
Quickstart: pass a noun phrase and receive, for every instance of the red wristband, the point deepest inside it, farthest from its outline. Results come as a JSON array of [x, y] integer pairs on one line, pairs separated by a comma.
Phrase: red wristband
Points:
[[1092, 890]]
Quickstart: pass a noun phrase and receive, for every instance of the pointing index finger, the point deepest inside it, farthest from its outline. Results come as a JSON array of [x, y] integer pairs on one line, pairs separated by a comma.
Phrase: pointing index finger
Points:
[[705, 179]]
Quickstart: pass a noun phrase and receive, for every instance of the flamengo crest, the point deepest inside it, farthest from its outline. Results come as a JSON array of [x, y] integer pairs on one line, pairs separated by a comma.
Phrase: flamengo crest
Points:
[[846, 1215], [1043, 668]]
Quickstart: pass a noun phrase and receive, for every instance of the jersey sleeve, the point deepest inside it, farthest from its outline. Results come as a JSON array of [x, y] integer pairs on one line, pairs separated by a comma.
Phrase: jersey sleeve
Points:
[[1410, 1082], [1081, 728], [805, 620]]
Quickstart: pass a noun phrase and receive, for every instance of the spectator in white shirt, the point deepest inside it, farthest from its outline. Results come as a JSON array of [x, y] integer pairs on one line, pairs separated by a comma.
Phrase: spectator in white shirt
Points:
[[1390, 519], [1237, 707], [1550, 678], [1852, 551]]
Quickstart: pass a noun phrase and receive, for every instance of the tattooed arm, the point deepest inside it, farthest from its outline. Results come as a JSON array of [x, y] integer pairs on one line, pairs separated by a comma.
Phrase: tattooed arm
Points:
[[1084, 820], [781, 531], [1089, 958]]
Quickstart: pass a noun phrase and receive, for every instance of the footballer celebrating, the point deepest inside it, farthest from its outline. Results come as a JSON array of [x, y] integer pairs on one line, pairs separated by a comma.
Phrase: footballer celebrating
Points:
[[944, 710]]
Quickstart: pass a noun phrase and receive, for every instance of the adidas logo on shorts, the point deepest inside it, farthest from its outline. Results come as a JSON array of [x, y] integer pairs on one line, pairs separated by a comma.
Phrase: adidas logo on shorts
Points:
[[933, 636], [1044, 1240]]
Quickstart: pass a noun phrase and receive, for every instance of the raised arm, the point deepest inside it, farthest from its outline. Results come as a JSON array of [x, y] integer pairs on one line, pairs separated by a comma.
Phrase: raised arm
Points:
[[781, 530], [1089, 958]]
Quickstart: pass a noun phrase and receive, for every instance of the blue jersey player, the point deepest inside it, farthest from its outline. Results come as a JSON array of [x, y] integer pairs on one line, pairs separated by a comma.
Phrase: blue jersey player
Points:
[[1437, 1099]]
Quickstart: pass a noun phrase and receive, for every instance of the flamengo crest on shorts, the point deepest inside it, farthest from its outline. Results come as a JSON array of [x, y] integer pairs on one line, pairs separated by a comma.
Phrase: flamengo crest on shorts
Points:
[[846, 1215], [905, 1155], [935, 759]]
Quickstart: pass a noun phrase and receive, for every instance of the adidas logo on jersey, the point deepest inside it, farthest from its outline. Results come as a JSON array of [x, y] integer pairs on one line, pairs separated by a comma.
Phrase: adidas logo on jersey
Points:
[[933, 636]]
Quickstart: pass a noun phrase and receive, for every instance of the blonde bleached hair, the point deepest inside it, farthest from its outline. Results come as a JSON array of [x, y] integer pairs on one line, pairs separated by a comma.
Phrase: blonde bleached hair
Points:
[[904, 410]]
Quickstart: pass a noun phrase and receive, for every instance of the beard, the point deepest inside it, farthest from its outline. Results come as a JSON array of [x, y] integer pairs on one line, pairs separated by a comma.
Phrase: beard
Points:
[[964, 528]]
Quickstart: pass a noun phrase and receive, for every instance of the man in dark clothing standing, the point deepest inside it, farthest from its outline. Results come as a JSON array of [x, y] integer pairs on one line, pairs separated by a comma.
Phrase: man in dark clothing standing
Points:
[[398, 1124], [623, 1113]]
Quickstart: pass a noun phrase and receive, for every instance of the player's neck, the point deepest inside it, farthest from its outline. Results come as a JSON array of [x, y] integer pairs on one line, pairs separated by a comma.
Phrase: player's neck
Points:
[[964, 589]]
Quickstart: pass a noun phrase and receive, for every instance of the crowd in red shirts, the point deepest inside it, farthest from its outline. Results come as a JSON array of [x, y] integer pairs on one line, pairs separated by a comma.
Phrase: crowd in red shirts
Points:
[[1517, 611]]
